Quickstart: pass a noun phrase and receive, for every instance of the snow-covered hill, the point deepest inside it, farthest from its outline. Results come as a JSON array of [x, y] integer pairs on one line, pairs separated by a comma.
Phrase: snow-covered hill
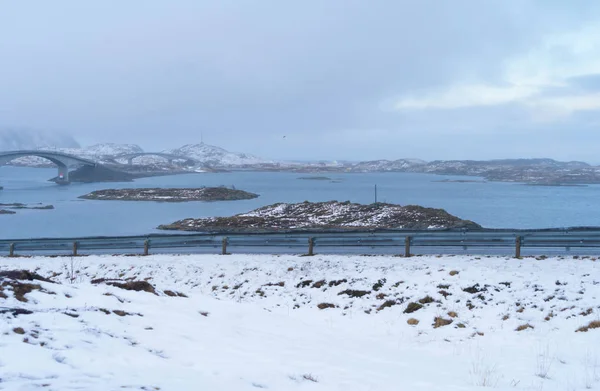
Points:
[[297, 323], [216, 156]]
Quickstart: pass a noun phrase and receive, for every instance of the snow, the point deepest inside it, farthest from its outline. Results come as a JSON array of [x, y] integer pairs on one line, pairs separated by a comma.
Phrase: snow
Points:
[[216, 156], [248, 323]]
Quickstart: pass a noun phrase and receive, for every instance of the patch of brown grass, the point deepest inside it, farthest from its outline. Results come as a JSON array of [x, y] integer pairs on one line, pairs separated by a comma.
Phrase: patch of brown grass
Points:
[[454, 272], [592, 325], [19, 330], [524, 327], [426, 300], [438, 321], [413, 321], [323, 306], [452, 314], [319, 284], [174, 294]]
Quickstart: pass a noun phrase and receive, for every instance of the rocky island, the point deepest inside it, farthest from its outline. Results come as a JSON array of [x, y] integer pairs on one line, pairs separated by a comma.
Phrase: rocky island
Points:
[[9, 209], [171, 195], [332, 215]]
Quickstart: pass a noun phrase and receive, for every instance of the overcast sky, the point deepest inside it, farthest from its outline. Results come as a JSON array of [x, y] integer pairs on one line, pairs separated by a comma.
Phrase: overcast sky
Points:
[[310, 79]]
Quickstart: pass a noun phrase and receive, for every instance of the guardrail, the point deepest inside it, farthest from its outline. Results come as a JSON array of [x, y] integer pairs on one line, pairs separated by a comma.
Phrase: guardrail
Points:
[[400, 242]]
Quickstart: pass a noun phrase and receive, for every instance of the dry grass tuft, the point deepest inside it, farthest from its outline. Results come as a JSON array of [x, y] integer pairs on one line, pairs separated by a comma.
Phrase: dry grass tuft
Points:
[[454, 272], [426, 300], [413, 321], [452, 314], [438, 321], [524, 327], [592, 325], [19, 330]]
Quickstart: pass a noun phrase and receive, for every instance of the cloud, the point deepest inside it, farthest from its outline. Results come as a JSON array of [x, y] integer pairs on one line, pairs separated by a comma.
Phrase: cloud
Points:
[[552, 80]]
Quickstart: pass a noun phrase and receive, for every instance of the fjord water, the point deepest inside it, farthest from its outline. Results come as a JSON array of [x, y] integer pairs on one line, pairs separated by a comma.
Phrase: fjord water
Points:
[[491, 204]]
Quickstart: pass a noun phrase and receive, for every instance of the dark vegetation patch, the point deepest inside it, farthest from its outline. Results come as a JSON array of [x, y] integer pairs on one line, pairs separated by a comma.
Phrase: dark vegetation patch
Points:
[[337, 282], [323, 306], [474, 289], [412, 307], [23, 275], [445, 293], [387, 304], [15, 311], [280, 283], [354, 293], [138, 286], [19, 330], [379, 284], [304, 284], [426, 300], [319, 284], [175, 294], [443, 286]]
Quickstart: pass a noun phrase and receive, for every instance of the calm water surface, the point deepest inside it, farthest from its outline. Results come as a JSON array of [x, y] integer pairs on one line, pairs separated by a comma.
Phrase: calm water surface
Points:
[[494, 205]]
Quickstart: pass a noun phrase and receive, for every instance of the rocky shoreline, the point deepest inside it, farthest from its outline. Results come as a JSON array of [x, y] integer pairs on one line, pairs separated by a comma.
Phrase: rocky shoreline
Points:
[[332, 215], [171, 195]]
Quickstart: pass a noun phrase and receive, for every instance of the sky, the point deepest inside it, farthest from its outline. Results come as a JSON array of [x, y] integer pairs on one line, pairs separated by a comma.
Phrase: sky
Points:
[[312, 79]]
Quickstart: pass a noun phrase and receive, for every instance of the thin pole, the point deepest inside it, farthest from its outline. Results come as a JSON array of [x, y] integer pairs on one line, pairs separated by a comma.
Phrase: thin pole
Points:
[[375, 193]]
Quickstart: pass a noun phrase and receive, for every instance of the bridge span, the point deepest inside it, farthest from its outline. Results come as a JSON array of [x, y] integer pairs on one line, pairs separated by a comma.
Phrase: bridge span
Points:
[[62, 160]]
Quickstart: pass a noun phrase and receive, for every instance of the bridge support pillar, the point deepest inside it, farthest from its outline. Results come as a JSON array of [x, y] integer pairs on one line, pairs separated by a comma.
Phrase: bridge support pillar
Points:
[[63, 175]]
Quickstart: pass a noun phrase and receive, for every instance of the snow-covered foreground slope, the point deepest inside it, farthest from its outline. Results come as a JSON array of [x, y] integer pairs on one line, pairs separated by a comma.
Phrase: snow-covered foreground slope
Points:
[[253, 322]]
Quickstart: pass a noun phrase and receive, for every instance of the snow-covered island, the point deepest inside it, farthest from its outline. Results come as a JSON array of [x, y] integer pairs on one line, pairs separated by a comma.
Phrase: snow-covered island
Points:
[[171, 195], [327, 216]]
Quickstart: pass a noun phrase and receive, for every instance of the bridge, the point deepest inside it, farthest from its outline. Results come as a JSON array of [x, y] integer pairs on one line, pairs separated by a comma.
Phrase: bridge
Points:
[[62, 160], [168, 157]]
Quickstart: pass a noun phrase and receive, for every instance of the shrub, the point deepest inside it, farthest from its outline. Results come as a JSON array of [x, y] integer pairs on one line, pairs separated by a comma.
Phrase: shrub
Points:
[[413, 321], [354, 293], [524, 327], [387, 304], [454, 272], [323, 306], [592, 325], [412, 307], [452, 314], [438, 321], [426, 300]]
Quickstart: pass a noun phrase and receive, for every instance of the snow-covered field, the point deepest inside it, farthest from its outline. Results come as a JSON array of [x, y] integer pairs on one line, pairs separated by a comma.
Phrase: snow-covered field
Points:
[[254, 322]]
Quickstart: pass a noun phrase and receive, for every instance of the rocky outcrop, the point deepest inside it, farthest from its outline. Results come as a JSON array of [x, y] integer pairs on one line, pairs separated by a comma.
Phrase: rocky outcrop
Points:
[[171, 195], [332, 215]]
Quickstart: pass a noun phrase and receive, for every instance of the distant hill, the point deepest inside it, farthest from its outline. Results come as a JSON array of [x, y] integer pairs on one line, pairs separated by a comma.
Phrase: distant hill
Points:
[[216, 156]]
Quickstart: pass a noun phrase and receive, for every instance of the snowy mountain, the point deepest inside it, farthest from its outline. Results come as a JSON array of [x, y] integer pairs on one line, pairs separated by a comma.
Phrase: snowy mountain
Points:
[[15, 139], [216, 156]]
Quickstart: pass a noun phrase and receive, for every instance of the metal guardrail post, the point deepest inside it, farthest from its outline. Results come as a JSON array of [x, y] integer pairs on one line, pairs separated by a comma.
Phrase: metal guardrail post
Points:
[[518, 247], [224, 245], [311, 247], [146, 247], [11, 250], [75, 246], [407, 246]]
